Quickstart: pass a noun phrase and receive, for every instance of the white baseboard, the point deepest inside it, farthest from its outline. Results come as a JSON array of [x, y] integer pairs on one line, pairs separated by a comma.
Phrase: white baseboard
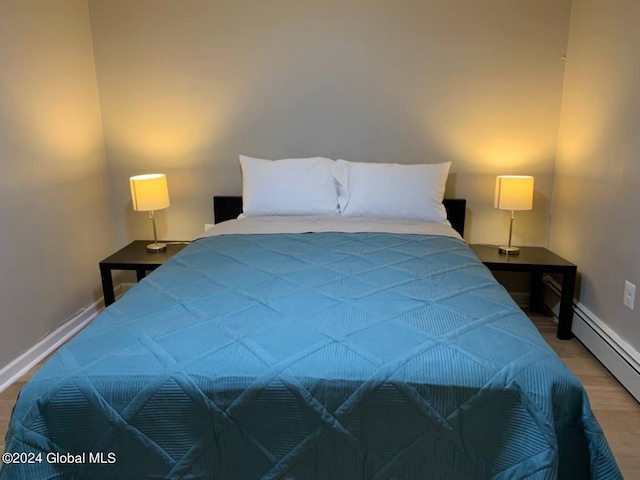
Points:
[[618, 356], [51, 342]]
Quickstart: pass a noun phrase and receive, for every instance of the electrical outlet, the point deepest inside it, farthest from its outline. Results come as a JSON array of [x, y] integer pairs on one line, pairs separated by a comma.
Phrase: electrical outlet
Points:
[[629, 295]]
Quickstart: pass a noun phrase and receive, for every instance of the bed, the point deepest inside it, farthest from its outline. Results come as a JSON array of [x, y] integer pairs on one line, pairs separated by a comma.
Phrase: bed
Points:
[[317, 350], [310, 355]]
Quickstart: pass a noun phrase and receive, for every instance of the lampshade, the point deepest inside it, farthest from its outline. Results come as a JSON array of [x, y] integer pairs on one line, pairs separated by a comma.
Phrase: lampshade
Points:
[[149, 192], [514, 192]]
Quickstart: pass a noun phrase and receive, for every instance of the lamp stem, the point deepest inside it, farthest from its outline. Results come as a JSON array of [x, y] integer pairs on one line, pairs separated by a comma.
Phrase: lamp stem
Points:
[[510, 228], [155, 231], [155, 246], [509, 250]]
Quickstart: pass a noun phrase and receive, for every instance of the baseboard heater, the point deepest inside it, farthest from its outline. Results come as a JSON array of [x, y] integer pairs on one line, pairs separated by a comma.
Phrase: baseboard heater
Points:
[[617, 356]]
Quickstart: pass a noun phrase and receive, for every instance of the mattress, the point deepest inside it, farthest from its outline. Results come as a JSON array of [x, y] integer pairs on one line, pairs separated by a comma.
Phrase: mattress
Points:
[[324, 355]]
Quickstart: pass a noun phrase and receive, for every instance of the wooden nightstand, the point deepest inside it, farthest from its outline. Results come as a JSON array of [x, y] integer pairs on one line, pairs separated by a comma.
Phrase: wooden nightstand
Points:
[[134, 257], [537, 261]]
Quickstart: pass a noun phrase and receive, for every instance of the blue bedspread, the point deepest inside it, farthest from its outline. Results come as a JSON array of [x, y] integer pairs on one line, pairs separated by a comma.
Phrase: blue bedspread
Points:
[[310, 356]]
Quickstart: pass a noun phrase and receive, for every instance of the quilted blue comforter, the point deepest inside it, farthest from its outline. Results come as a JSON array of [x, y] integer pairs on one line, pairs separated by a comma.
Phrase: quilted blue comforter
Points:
[[310, 356]]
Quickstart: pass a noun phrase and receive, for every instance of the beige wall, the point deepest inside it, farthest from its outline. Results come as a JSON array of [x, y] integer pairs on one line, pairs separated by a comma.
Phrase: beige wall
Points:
[[186, 86], [596, 209], [54, 206]]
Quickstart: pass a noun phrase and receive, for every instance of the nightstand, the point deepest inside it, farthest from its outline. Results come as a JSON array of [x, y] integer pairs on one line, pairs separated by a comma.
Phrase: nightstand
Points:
[[537, 261], [134, 257]]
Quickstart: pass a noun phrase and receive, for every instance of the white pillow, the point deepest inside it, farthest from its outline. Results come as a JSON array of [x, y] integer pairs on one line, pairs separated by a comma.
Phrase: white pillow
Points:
[[391, 190], [294, 186]]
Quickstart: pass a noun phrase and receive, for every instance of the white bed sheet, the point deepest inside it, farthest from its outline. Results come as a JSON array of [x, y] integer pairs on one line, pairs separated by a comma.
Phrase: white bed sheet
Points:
[[333, 223]]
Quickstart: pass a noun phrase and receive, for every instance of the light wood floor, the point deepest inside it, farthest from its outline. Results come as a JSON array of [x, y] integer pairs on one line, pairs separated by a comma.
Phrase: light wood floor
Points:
[[616, 410]]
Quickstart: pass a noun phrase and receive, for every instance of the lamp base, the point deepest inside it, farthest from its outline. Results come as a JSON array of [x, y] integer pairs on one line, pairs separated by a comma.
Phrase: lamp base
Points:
[[509, 250], [156, 247]]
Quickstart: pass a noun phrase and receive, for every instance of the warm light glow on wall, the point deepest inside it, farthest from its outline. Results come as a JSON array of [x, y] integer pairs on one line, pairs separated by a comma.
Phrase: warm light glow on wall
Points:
[[490, 128], [168, 126], [493, 151], [585, 131], [63, 124]]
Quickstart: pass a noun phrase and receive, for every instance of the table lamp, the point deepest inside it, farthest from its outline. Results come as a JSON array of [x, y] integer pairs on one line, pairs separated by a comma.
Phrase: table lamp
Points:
[[150, 193], [513, 192]]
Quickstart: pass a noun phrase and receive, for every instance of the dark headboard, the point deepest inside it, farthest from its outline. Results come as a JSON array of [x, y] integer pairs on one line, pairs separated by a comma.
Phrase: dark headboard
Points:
[[229, 207]]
